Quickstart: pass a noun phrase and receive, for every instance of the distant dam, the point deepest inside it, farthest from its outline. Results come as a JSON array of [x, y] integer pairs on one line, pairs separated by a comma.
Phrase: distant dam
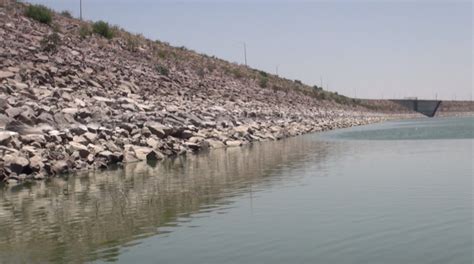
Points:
[[425, 107]]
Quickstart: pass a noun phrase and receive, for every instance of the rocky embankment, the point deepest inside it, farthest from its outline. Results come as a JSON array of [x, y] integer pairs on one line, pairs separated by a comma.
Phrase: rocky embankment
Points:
[[69, 102], [456, 108]]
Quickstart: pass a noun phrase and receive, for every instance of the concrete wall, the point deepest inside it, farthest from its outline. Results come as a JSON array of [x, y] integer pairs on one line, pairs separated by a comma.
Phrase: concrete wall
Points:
[[425, 107]]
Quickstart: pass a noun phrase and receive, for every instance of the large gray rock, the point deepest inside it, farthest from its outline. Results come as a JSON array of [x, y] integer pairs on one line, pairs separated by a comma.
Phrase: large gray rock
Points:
[[186, 134], [33, 138], [242, 130], [215, 143], [80, 148], [6, 137], [111, 157], [17, 164], [59, 167], [145, 153], [158, 129], [6, 74], [79, 129], [233, 143], [36, 163]]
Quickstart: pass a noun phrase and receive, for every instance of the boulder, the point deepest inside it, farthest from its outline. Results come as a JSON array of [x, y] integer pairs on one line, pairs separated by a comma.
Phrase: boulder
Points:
[[36, 163], [215, 143], [233, 143], [90, 137], [6, 137], [17, 164], [242, 130], [152, 143], [145, 153], [78, 129], [186, 134], [157, 129], [33, 138], [192, 146], [6, 74], [20, 85], [111, 157], [80, 148], [59, 167]]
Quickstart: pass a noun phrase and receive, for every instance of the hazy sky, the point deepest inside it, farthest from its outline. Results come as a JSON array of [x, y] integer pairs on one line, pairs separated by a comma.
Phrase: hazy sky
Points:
[[369, 48]]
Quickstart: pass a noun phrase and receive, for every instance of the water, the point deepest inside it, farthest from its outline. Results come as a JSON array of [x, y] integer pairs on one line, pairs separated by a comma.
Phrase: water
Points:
[[399, 192]]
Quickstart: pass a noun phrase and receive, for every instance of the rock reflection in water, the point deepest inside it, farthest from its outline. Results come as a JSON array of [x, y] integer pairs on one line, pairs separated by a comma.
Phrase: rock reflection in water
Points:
[[94, 216]]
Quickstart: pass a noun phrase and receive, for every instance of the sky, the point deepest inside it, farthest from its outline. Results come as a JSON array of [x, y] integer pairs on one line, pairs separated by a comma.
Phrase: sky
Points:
[[364, 49]]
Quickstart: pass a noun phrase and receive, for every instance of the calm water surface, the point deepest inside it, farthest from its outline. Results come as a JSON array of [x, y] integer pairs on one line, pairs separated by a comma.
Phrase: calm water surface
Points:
[[398, 192]]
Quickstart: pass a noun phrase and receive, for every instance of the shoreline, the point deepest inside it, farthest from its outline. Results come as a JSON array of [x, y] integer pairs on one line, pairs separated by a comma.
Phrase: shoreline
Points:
[[83, 158], [145, 155]]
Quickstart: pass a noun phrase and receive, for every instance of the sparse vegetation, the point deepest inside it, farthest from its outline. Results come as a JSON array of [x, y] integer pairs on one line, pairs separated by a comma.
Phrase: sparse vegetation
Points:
[[236, 73], [162, 54], [51, 42], [39, 13], [132, 42], [66, 13], [263, 74], [263, 81], [103, 28], [84, 31], [298, 82], [162, 69]]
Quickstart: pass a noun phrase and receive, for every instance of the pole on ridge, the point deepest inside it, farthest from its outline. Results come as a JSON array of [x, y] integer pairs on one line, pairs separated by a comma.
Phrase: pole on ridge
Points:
[[245, 53]]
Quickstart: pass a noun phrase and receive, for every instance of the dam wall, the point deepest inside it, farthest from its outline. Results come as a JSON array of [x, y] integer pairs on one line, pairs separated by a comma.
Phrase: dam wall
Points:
[[425, 107]]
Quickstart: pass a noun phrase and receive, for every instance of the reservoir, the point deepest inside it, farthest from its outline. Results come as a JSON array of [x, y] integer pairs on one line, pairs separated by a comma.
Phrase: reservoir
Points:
[[396, 192]]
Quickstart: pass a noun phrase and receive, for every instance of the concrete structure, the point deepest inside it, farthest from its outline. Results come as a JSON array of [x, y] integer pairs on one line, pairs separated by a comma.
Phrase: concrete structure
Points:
[[425, 107]]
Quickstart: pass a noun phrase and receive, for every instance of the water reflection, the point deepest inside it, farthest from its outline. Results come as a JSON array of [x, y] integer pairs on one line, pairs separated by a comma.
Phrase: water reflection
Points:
[[95, 215]]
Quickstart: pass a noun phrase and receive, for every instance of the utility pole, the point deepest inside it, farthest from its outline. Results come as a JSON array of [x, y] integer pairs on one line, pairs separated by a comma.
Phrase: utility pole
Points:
[[80, 9], [321, 82], [277, 70]]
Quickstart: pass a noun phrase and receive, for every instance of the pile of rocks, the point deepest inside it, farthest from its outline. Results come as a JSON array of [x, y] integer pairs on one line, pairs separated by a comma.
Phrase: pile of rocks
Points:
[[93, 103]]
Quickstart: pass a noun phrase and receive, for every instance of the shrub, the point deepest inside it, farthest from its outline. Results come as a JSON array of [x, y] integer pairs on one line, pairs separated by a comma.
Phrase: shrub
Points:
[[237, 73], [132, 43], [162, 69], [298, 82], [321, 95], [66, 13], [51, 42], [162, 54], [103, 28], [263, 81], [262, 73], [39, 13], [84, 31]]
